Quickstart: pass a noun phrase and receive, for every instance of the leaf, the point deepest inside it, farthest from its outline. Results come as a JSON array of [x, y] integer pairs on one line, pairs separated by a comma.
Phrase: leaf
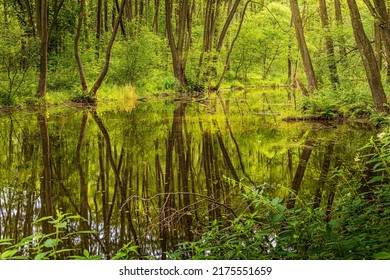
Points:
[[20, 258], [375, 179], [40, 256], [86, 253], [262, 233], [43, 219], [275, 217], [61, 225], [81, 232], [281, 208], [50, 243], [6, 240], [275, 201], [382, 256], [61, 251], [8, 254]]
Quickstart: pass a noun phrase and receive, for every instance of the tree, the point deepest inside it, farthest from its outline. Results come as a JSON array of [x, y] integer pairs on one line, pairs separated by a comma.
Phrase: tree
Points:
[[213, 39], [299, 33], [329, 44], [179, 49], [379, 10], [368, 58], [43, 31], [104, 71]]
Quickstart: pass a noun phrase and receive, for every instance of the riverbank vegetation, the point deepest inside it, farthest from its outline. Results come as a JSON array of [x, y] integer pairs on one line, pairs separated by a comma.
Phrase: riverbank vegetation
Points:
[[335, 53]]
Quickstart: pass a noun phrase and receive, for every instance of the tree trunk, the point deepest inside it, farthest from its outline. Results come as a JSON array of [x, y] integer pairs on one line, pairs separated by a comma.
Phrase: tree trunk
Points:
[[42, 23], [368, 58], [104, 71], [339, 22], [231, 47], [80, 67], [99, 24], [106, 15], [334, 78], [378, 44], [380, 12], [30, 17], [179, 49], [306, 59], [156, 14]]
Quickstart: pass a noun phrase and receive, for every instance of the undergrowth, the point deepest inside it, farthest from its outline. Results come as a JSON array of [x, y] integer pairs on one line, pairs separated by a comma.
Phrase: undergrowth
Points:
[[356, 228]]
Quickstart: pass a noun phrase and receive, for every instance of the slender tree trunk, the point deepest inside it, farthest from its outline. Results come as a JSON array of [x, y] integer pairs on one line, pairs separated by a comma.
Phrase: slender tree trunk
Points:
[[378, 44], [329, 44], [105, 12], [99, 22], [104, 71], [80, 67], [381, 14], [122, 25], [231, 47], [368, 58], [156, 14], [30, 17], [42, 23], [339, 22], [306, 59]]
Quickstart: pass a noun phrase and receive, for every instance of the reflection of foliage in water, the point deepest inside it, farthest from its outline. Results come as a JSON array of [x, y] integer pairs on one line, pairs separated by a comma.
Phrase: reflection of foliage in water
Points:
[[156, 176], [356, 228]]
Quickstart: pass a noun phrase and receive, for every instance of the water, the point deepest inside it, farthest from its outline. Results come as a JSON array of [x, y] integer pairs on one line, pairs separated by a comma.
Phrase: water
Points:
[[156, 172]]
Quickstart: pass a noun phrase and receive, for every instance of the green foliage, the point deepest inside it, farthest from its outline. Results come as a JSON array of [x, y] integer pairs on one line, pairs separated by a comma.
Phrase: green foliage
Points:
[[39, 245], [358, 227], [322, 106], [262, 48], [17, 58], [137, 61], [343, 103]]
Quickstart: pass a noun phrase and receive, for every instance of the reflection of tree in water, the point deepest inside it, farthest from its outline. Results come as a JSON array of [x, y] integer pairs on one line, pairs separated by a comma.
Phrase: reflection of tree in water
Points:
[[152, 182], [46, 177]]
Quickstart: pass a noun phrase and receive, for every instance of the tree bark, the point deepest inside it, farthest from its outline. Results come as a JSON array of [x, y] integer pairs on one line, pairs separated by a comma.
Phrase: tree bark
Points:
[[334, 78], [42, 23], [378, 44], [306, 59], [180, 47], [156, 14], [80, 67], [368, 57], [339, 22], [99, 22], [381, 15]]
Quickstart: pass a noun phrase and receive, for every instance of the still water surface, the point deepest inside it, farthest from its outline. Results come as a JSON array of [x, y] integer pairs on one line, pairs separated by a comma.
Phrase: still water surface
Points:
[[156, 172]]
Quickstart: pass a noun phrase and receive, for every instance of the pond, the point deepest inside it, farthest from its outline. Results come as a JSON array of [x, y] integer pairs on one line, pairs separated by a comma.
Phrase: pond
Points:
[[156, 172]]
